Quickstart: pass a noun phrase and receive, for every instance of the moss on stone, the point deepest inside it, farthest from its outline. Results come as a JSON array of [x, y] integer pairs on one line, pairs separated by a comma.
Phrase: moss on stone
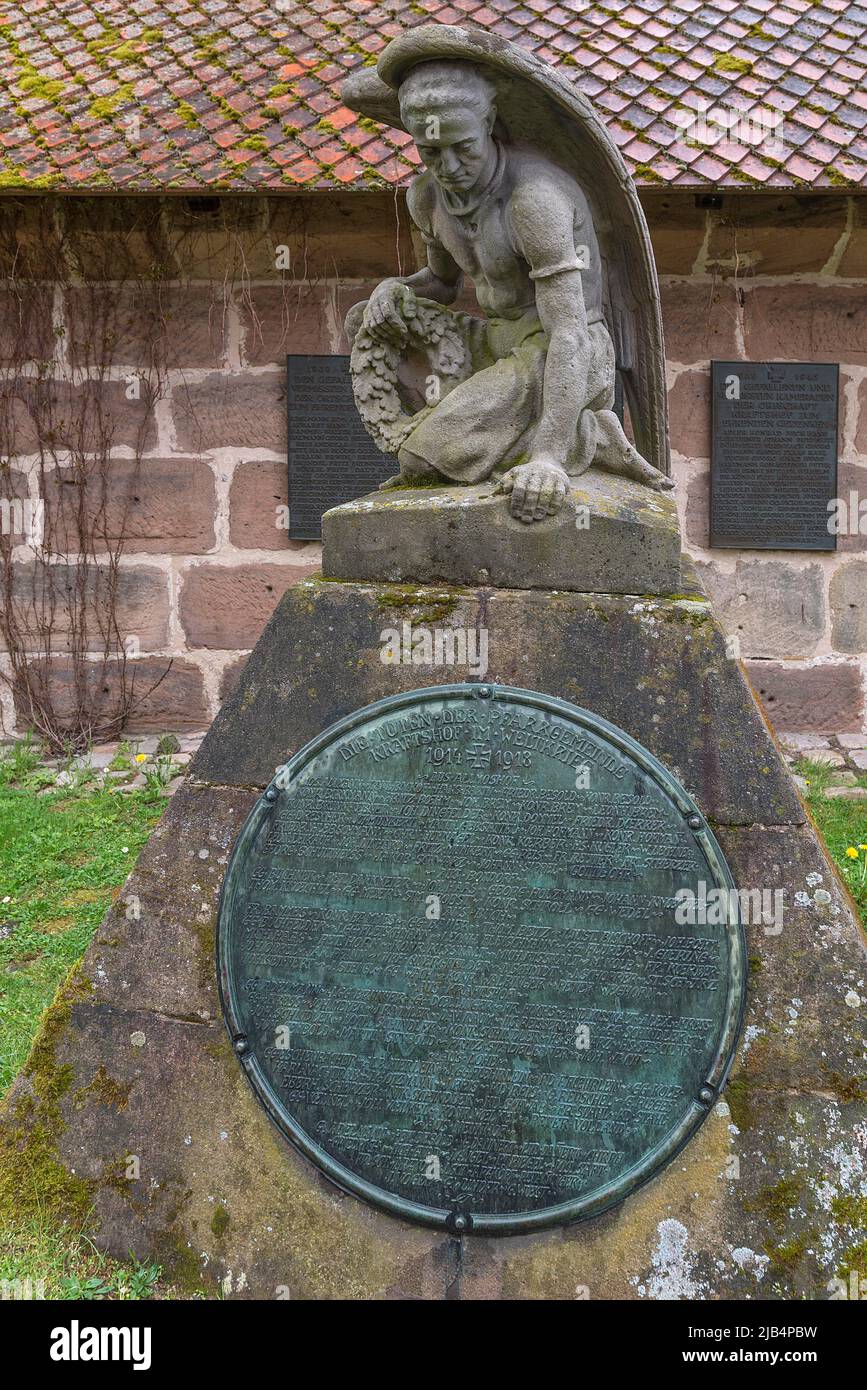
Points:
[[727, 62], [34, 1181], [219, 1221], [739, 1100], [850, 1210], [854, 1260], [788, 1256], [105, 1090], [776, 1203], [410, 481], [846, 1088], [106, 106], [427, 605]]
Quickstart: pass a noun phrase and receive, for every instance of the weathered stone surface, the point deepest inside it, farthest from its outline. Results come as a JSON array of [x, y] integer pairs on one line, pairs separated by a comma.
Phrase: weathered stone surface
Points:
[[224, 411], [853, 262], [147, 324], [26, 323], [861, 426], [226, 606], [166, 693], [803, 1036], [775, 609], [277, 319], [657, 668], [258, 489], [221, 1203], [700, 319], [147, 954], [141, 604], [697, 510], [630, 543], [848, 597], [786, 234], [826, 698], [156, 505], [86, 416], [806, 323], [21, 435], [852, 479], [857, 741], [689, 414], [230, 676], [677, 230]]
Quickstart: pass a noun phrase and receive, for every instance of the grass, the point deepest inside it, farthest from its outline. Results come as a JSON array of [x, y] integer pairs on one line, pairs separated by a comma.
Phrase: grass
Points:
[[41, 1261], [64, 854], [843, 824]]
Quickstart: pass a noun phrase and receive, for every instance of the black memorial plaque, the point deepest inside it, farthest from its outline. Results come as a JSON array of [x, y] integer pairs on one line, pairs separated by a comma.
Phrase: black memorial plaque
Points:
[[332, 458], [455, 967], [773, 454]]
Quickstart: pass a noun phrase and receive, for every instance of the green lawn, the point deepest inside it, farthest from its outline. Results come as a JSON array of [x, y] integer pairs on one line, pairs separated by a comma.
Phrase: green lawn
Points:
[[843, 824], [64, 854]]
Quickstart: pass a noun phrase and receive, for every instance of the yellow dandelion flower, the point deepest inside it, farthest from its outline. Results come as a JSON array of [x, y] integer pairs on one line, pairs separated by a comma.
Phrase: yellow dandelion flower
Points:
[[141, 757], [852, 852]]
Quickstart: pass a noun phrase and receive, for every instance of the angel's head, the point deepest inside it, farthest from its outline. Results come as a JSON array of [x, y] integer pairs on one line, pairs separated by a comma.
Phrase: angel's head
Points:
[[448, 109]]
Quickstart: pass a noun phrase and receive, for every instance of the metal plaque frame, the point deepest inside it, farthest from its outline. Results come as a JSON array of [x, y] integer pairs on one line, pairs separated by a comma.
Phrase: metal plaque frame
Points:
[[696, 1110]]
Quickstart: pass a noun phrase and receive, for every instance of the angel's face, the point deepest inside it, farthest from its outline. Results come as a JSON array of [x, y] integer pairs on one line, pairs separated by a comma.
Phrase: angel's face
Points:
[[455, 145]]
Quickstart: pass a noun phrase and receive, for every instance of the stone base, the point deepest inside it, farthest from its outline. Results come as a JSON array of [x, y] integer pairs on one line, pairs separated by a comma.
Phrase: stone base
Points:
[[133, 1057], [612, 536]]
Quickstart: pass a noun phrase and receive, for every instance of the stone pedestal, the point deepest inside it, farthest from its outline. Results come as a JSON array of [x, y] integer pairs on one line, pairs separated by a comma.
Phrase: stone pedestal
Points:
[[612, 536], [134, 1059]]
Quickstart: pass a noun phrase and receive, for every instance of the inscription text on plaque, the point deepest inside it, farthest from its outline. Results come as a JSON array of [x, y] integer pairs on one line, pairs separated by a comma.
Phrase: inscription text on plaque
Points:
[[773, 454], [332, 458], [452, 964]]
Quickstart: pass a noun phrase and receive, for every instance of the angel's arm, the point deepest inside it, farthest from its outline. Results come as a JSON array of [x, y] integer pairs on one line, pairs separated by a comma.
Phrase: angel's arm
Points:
[[543, 219], [440, 279]]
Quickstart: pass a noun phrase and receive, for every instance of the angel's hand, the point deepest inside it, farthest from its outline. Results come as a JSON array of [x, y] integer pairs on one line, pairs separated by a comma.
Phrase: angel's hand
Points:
[[383, 319], [538, 489]]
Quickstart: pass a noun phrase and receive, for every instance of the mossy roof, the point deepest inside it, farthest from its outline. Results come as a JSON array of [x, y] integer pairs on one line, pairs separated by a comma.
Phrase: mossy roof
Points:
[[245, 94]]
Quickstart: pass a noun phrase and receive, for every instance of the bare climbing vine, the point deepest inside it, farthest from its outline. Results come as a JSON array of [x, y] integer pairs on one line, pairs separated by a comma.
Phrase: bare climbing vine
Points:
[[93, 325]]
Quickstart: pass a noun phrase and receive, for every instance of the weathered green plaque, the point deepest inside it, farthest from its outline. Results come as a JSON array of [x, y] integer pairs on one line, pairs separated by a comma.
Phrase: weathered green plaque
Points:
[[459, 962]]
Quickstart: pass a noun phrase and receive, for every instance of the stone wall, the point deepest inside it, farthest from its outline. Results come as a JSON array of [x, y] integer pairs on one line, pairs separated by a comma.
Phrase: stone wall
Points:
[[206, 560]]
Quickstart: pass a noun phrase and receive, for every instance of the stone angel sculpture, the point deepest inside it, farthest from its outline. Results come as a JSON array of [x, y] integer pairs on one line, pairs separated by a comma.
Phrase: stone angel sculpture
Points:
[[525, 193]]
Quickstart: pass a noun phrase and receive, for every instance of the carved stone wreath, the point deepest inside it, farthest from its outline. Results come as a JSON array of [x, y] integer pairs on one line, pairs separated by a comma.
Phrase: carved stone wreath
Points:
[[374, 368]]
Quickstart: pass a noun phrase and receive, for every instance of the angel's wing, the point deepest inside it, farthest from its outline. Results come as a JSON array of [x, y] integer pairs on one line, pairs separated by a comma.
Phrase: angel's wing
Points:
[[538, 107]]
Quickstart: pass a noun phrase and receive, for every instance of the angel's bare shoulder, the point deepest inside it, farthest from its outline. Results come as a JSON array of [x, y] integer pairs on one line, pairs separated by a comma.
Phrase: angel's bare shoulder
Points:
[[420, 197], [536, 181], [547, 212]]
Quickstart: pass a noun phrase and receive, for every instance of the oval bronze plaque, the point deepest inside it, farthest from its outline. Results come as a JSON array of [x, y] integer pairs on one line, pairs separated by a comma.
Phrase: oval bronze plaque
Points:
[[461, 965]]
